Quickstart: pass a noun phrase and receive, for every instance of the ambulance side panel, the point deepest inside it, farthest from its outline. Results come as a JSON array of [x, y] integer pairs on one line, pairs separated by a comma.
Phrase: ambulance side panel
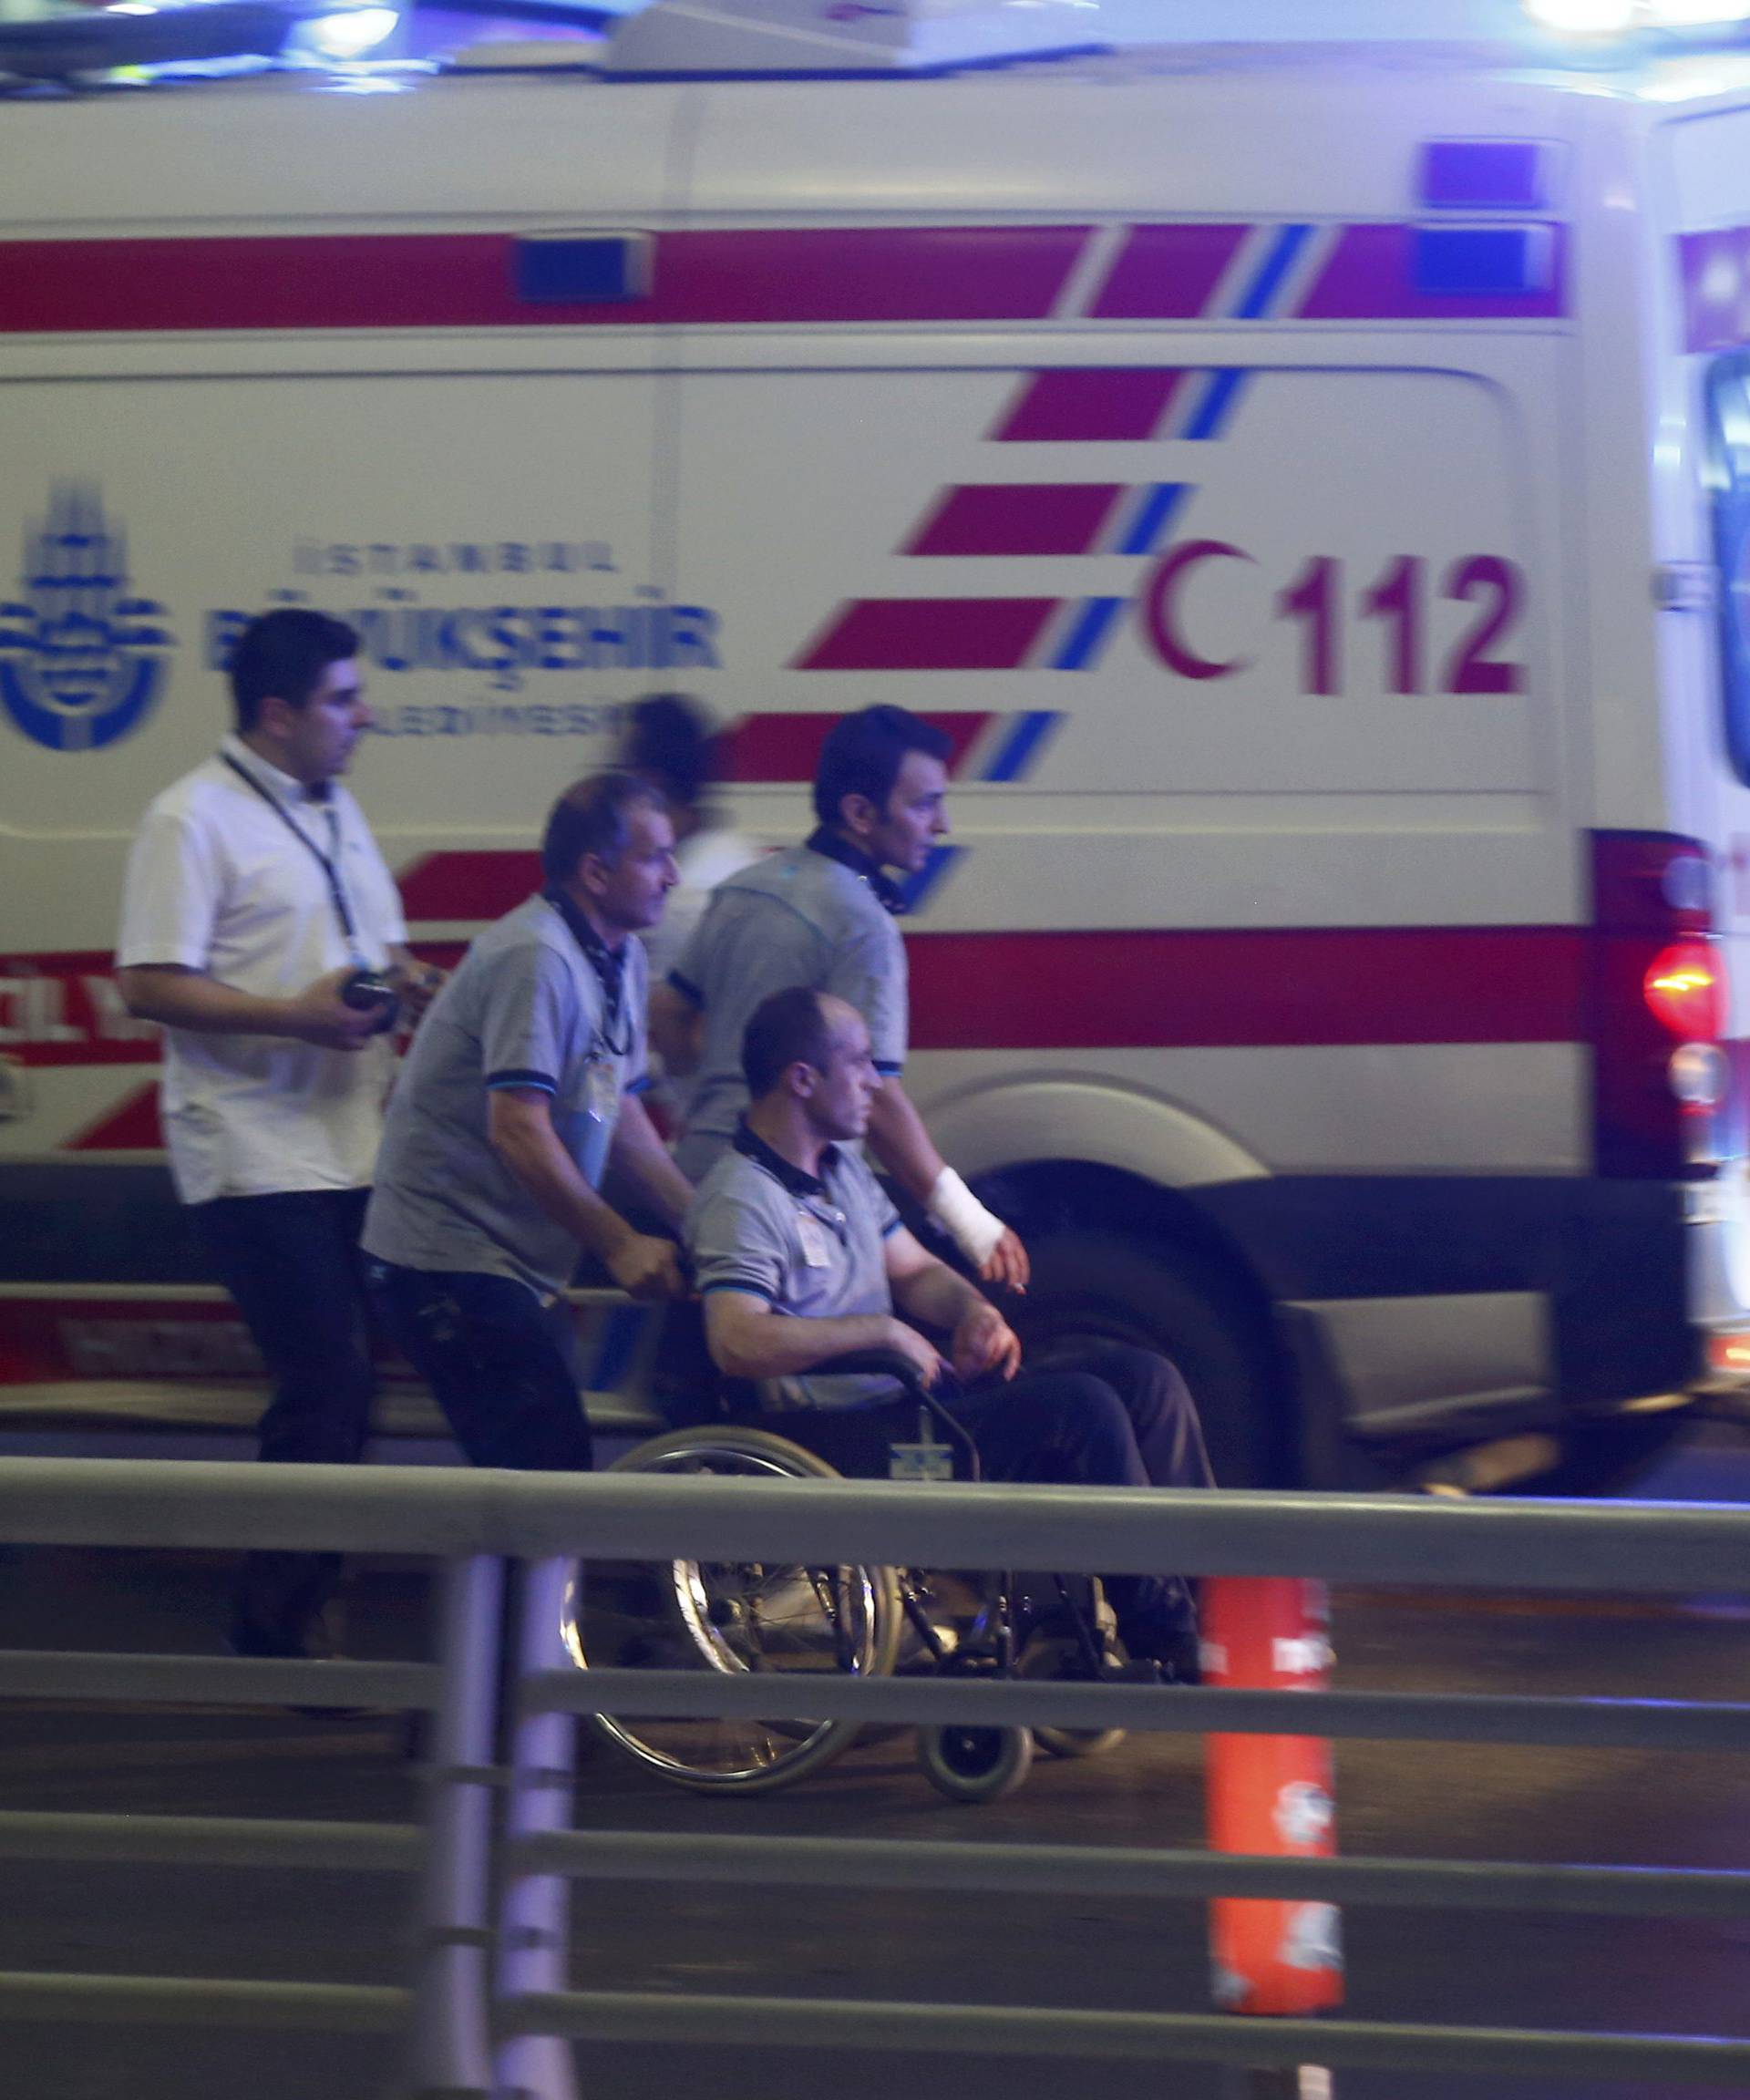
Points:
[[1699, 175]]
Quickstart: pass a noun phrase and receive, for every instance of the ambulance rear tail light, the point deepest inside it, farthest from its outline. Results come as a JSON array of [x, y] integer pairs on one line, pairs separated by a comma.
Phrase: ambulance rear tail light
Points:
[[1686, 993], [1658, 1006]]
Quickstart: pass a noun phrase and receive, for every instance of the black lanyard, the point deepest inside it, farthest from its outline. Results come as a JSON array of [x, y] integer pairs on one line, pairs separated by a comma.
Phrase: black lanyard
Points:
[[342, 911], [615, 1035]]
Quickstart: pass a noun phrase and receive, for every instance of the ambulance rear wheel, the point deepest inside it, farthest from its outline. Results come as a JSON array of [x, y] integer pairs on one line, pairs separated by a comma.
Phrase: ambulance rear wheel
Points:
[[1093, 1286], [1605, 1456]]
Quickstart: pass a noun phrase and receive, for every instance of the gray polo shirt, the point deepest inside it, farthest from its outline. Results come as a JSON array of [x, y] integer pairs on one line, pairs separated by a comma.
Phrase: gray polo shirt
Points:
[[812, 1247], [527, 1007], [800, 917]]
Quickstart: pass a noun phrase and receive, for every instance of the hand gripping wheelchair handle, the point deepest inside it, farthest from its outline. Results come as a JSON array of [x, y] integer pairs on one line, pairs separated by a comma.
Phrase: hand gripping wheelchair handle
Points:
[[890, 1364]]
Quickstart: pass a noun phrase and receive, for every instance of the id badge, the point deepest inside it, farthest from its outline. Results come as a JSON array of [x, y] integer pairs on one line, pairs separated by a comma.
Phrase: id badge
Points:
[[601, 1092], [815, 1251]]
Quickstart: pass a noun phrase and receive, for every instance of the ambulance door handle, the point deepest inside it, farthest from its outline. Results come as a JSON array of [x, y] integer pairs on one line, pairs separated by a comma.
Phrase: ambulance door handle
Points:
[[1686, 587]]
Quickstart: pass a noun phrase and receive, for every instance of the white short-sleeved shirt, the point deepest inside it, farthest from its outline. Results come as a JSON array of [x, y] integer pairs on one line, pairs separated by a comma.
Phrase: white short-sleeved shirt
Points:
[[704, 860], [216, 883]]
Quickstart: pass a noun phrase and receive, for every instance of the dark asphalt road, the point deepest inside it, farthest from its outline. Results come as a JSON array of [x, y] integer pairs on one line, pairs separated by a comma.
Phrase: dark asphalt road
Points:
[[1463, 1803]]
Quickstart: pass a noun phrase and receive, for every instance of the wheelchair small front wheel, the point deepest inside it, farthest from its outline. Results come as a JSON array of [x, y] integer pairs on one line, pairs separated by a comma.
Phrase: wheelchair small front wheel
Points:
[[974, 1763], [1060, 1660]]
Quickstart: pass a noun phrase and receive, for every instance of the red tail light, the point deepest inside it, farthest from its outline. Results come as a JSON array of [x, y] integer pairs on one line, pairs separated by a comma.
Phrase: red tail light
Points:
[[1657, 991], [1686, 992]]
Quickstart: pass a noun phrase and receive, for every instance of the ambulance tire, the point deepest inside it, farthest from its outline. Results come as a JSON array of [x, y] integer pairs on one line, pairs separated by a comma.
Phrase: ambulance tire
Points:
[[1094, 1286], [1603, 1457]]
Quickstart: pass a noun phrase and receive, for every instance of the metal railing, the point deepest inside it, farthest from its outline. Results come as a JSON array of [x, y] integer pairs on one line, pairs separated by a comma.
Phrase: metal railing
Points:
[[489, 2011]]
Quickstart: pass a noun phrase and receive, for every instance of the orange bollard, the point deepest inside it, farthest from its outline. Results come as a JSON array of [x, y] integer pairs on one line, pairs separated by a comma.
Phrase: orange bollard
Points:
[[1271, 1793]]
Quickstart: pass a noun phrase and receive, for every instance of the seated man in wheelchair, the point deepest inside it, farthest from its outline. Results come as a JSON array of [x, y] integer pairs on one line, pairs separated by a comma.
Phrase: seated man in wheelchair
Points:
[[799, 1258]]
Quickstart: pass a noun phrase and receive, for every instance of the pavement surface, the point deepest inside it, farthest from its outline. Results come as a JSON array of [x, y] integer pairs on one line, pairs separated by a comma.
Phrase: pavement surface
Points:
[[1467, 1803]]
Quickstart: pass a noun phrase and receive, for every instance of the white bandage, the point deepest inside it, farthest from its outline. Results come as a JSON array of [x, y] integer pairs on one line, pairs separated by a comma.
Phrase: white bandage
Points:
[[973, 1229]]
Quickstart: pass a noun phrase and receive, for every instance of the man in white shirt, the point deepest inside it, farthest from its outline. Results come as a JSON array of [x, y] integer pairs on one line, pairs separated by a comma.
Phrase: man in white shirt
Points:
[[255, 897], [669, 742]]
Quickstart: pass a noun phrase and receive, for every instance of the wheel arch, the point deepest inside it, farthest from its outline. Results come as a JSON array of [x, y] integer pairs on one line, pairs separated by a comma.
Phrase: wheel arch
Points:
[[1074, 1121], [1060, 1154]]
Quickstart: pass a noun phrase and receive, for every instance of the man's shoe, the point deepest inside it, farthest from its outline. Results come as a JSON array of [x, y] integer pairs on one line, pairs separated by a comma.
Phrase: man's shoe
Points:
[[277, 1644], [274, 1644], [1170, 1651]]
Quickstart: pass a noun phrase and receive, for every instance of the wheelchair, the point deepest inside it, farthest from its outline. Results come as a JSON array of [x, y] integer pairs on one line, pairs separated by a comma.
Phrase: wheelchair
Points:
[[870, 1622]]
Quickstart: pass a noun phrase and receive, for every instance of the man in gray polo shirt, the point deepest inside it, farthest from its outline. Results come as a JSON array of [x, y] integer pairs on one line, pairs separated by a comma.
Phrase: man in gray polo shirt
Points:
[[799, 1258], [520, 1087], [822, 914]]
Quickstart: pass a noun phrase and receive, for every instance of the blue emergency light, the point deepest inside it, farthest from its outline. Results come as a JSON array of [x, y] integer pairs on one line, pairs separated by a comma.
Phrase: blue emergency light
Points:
[[1484, 262], [1484, 175], [582, 269]]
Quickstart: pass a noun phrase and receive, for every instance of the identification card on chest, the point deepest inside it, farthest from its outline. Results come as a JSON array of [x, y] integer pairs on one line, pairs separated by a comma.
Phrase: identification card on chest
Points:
[[816, 1241], [601, 1090]]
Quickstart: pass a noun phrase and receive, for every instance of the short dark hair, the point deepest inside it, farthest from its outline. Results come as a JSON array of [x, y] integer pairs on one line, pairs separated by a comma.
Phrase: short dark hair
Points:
[[591, 816], [789, 1028], [669, 739], [863, 753], [282, 654]]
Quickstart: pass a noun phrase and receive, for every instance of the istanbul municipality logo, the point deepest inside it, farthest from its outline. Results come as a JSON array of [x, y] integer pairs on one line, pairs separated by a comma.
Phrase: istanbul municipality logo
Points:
[[81, 662]]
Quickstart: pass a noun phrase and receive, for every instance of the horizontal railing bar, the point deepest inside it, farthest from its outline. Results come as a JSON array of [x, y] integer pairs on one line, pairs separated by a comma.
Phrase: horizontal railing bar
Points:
[[1110, 1870], [721, 2022], [216, 1680], [1169, 1709], [1517, 1545], [211, 1841], [201, 2002]]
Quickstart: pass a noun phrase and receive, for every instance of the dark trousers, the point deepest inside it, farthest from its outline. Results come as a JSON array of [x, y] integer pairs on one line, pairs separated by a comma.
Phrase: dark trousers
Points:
[[1108, 1415], [502, 1365], [292, 1265]]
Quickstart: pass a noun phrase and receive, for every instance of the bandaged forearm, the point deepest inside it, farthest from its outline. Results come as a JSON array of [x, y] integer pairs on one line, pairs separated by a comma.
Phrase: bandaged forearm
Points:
[[973, 1229]]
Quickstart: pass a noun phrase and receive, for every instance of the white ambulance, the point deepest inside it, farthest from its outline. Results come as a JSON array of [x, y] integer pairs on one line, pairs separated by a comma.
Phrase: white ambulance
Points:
[[1308, 481]]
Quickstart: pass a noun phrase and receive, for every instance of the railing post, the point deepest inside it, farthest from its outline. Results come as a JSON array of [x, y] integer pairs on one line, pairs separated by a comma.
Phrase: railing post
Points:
[[534, 1917], [450, 2048], [1272, 1795]]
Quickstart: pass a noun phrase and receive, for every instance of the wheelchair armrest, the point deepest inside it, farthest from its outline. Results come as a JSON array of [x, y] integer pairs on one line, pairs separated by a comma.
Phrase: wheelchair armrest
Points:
[[874, 1364], [889, 1364]]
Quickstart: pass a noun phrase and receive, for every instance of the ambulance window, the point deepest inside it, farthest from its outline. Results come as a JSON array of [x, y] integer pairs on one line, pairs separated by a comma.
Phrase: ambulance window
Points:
[[1728, 474]]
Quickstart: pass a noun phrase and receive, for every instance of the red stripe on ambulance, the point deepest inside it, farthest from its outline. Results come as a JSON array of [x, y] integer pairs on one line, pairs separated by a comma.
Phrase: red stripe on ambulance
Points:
[[929, 635], [1168, 272], [1185, 989], [731, 277], [1017, 518], [1371, 276], [785, 748], [1106, 405], [469, 280]]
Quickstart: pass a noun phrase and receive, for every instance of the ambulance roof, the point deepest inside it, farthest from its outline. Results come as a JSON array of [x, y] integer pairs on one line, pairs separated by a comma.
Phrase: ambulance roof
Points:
[[1320, 129]]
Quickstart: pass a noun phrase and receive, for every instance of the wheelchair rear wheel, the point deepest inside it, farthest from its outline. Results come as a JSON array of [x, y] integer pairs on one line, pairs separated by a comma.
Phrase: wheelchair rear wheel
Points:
[[751, 1617]]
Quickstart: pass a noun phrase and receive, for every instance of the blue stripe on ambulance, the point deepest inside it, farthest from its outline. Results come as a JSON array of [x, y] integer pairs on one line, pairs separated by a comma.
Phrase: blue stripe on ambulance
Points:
[[1256, 300], [1020, 744], [916, 891], [1211, 411], [1152, 516], [1089, 631]]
